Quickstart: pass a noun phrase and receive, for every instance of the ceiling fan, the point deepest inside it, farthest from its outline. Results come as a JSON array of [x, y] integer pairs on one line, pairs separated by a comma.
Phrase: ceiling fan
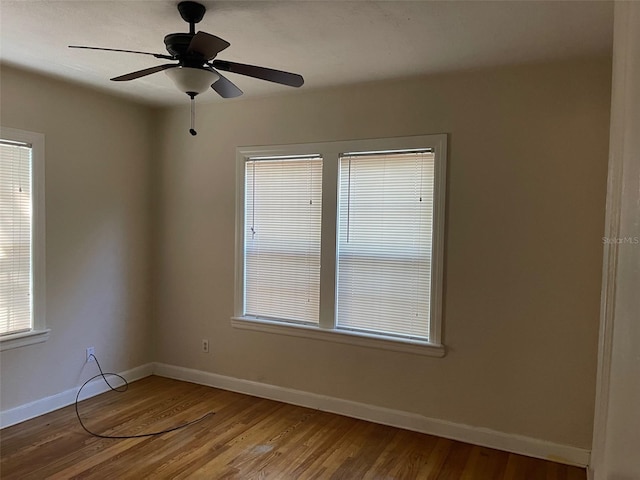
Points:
[[197, 67]]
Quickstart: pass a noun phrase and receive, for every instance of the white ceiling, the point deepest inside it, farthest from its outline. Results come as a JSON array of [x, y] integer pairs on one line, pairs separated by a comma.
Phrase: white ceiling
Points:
[[329, 42]]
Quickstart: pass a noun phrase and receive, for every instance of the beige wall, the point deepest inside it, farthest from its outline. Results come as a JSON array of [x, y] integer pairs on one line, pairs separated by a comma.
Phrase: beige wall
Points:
[[97, 232], [526, 199]]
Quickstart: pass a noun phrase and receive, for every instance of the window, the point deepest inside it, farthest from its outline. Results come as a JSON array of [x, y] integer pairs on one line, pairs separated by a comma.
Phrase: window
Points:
[[22, 299], [343, 241], [384, 242], [282, 238]]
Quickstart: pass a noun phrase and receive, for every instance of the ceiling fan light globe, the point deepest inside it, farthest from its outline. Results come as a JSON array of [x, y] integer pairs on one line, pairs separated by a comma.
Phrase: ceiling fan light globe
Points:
[[192, 80]]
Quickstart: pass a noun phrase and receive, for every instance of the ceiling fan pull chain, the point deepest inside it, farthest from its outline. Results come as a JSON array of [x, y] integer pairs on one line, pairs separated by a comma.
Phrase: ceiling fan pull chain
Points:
[[193, 115]]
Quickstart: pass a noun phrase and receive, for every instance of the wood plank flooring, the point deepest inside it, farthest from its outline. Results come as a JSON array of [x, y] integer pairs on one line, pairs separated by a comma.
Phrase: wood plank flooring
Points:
[[247, 438]]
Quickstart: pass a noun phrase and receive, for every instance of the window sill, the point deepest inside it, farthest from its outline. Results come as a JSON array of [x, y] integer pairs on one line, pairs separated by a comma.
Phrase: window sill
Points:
[[22, 339], [340, 336]]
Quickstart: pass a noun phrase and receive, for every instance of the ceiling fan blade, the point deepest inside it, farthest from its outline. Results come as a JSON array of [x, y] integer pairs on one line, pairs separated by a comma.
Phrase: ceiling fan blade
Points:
[[157, 55], [143, 73], [224, 87], [207, 45], [263, 73]]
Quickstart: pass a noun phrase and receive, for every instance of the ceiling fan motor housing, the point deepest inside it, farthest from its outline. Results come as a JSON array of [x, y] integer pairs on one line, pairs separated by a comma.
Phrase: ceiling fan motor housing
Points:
[[178, 43]]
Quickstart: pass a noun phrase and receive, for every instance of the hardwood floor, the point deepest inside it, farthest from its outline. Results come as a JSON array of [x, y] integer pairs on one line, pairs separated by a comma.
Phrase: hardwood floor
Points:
[[247, 438]]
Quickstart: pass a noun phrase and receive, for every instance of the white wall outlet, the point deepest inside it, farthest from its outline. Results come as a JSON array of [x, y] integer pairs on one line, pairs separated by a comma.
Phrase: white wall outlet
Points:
[[205, 345], [91, 351]]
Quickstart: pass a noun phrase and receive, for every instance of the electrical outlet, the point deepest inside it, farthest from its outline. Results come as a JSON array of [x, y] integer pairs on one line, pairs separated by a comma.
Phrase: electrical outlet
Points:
[[205, 345], [90, 352]]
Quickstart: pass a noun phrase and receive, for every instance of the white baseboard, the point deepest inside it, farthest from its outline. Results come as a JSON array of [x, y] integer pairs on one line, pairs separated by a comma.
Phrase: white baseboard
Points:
[[485, 437], [54, 402]]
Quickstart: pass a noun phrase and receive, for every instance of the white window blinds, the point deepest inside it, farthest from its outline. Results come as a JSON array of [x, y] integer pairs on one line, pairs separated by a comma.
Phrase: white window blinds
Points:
[[15, 238], [283, 205], [385, 242]]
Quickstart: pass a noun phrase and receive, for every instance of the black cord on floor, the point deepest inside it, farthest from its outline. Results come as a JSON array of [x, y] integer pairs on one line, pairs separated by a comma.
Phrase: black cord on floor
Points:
[[120, 389]]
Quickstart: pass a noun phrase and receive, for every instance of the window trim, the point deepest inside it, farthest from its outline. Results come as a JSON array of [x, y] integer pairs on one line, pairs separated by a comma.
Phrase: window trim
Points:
[[330, 153], [39, 332]]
